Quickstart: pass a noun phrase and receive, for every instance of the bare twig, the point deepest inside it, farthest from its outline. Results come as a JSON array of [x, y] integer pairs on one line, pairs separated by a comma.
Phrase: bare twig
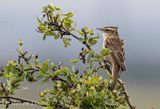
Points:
[[126, 95], [20, 100]]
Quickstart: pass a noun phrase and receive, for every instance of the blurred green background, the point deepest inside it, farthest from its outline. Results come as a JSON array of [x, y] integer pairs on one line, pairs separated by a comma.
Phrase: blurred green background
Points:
[[138, 22]]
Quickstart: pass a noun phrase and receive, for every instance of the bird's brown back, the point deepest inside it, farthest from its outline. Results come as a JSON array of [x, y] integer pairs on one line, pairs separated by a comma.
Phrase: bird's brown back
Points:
[[116, 45]]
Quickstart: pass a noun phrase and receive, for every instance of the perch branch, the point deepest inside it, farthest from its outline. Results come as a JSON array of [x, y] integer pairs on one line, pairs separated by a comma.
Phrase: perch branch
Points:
[[126, 95]]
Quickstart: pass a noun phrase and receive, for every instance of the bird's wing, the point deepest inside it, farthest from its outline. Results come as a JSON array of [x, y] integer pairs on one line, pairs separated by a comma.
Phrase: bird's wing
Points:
[[117, 51]]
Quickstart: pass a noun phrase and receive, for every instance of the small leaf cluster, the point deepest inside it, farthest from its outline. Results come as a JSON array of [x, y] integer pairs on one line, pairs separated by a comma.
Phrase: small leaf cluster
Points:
[[86, 38], [55, 23]]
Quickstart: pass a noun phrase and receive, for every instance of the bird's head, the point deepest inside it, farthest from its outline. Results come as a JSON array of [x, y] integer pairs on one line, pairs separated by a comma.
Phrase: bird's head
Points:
[[109, 30]]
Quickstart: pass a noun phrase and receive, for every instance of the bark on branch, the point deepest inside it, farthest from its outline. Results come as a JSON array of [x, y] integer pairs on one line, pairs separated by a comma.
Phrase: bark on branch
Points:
[[20, 101]]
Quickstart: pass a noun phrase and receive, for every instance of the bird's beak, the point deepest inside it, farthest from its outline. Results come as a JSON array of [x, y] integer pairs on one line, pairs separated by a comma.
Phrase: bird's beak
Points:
[[101, 29]]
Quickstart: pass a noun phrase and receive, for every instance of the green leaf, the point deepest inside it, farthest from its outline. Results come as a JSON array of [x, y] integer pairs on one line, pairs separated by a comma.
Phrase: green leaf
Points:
[[88, 30], [66, 42], [39, 21], [93, 80], [123, 108], [43, 101], [50, 33], [12, 63], [42, 28], [49, 107], [58, 18], [82, 39], [91, 32], [8, 75], [69, 14], [57, 72], [53, 65], [85, 51], [80, 32], [67, 24], [65, 69], [43, 93], [51, 6], [62, 71], [1, 93], [37, 62], [15, 82], [57, 36], [105, 51], [73, 61], [57, 8], [44, 68], [93, 40]]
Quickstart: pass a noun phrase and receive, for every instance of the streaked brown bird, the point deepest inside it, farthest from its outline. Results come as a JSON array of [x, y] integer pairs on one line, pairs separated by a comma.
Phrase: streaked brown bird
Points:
[[116, 58]]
